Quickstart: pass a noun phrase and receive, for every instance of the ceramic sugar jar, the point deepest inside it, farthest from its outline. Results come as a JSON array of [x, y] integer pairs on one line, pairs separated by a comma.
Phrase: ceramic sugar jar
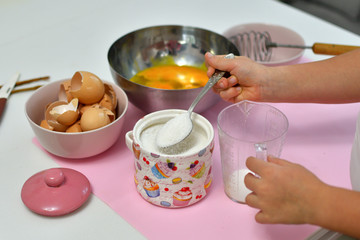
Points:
[[177, 176]]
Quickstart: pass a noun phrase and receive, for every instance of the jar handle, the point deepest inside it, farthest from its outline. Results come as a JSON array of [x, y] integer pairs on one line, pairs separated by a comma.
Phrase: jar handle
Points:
[[129, 139]]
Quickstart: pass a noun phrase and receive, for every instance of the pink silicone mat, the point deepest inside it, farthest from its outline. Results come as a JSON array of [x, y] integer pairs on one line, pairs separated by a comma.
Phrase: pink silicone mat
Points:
[[319, 137]]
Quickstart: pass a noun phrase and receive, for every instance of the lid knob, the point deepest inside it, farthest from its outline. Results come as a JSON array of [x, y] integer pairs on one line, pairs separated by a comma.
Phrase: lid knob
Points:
[[54, 177]]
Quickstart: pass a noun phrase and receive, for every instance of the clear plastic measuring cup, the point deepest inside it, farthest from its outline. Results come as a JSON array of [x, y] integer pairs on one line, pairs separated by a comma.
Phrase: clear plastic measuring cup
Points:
[[247, 129]]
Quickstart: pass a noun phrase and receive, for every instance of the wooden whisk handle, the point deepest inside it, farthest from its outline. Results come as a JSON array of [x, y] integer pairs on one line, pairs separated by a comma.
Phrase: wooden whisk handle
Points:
[[332, 49]]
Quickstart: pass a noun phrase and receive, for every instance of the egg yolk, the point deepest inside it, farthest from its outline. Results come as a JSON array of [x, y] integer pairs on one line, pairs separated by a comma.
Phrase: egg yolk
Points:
[[171, 77]]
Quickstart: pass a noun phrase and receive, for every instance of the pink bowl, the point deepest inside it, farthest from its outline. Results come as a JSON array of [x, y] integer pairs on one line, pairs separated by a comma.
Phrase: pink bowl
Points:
[[73, 145]]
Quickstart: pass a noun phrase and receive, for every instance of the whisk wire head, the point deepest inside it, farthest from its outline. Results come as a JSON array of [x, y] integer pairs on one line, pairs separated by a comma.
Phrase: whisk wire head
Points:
[[253, 45]]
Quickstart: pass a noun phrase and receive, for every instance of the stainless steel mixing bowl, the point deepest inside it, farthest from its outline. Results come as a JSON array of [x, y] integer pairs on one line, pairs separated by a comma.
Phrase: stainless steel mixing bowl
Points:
[[142, 48]]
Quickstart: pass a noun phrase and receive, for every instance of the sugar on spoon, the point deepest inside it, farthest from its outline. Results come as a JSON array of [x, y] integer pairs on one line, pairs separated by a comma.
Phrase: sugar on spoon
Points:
[[178, 128]]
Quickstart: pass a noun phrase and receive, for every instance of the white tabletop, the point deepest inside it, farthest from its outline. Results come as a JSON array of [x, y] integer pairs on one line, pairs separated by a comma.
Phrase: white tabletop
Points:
[[57, 38]]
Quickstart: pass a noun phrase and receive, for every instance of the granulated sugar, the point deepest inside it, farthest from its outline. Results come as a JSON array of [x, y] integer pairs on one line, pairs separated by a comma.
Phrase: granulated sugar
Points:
[[235, 187], [174, 131], [194, 142]]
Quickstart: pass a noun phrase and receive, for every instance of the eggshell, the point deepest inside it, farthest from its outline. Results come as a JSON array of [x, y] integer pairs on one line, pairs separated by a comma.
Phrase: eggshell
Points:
[[64, 92], [51, 118], [109, 100], [83, 108], [61, 114], [68, 118], [45, 125], [56, 125], [74, 128], [110, 114], [87, 87], [94, 118], [106, 102]]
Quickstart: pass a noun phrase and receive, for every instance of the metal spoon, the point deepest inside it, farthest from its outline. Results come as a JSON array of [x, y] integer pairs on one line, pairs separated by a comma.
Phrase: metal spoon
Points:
[[181, 126]]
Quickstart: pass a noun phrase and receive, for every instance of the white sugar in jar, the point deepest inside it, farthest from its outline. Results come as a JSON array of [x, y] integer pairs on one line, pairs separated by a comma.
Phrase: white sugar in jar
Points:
[[194, 142]]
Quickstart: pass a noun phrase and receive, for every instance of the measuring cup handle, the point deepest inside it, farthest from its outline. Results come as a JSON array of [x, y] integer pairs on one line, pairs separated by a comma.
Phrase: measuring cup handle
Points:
[[261, 151], [129, 139]]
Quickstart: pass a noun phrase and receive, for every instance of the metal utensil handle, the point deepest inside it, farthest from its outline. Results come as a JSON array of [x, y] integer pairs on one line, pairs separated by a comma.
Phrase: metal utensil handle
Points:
[[278, 45], [214, 79]]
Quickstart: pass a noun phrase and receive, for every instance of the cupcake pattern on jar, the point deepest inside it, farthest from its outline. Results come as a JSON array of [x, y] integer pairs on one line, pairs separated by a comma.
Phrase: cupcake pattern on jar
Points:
[[173, 182], [208, 181], [151, 188], [136, 150], [182, 197], [163, 169], [197, 169]]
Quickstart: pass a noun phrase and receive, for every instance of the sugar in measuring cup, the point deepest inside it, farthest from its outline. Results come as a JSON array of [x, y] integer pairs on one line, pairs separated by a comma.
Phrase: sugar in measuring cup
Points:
[[247, 129]]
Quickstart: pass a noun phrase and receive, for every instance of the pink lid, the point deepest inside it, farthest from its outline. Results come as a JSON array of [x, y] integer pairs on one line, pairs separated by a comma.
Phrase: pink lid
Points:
[[56, 191]]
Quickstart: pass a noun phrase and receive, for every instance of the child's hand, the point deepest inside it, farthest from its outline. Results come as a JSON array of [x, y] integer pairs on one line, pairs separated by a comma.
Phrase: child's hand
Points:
[[245, 81], [284, 192]]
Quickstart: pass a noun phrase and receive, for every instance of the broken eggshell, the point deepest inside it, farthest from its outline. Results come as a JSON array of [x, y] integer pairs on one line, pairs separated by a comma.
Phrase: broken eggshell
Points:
[[83, 108], [96, 117], [109, 100], [61, 114], [87, 87], [45, 125], [64, 92], [74, 128]]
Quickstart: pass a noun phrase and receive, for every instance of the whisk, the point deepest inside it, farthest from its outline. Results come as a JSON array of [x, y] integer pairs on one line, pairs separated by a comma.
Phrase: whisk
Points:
[[258, 46]]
